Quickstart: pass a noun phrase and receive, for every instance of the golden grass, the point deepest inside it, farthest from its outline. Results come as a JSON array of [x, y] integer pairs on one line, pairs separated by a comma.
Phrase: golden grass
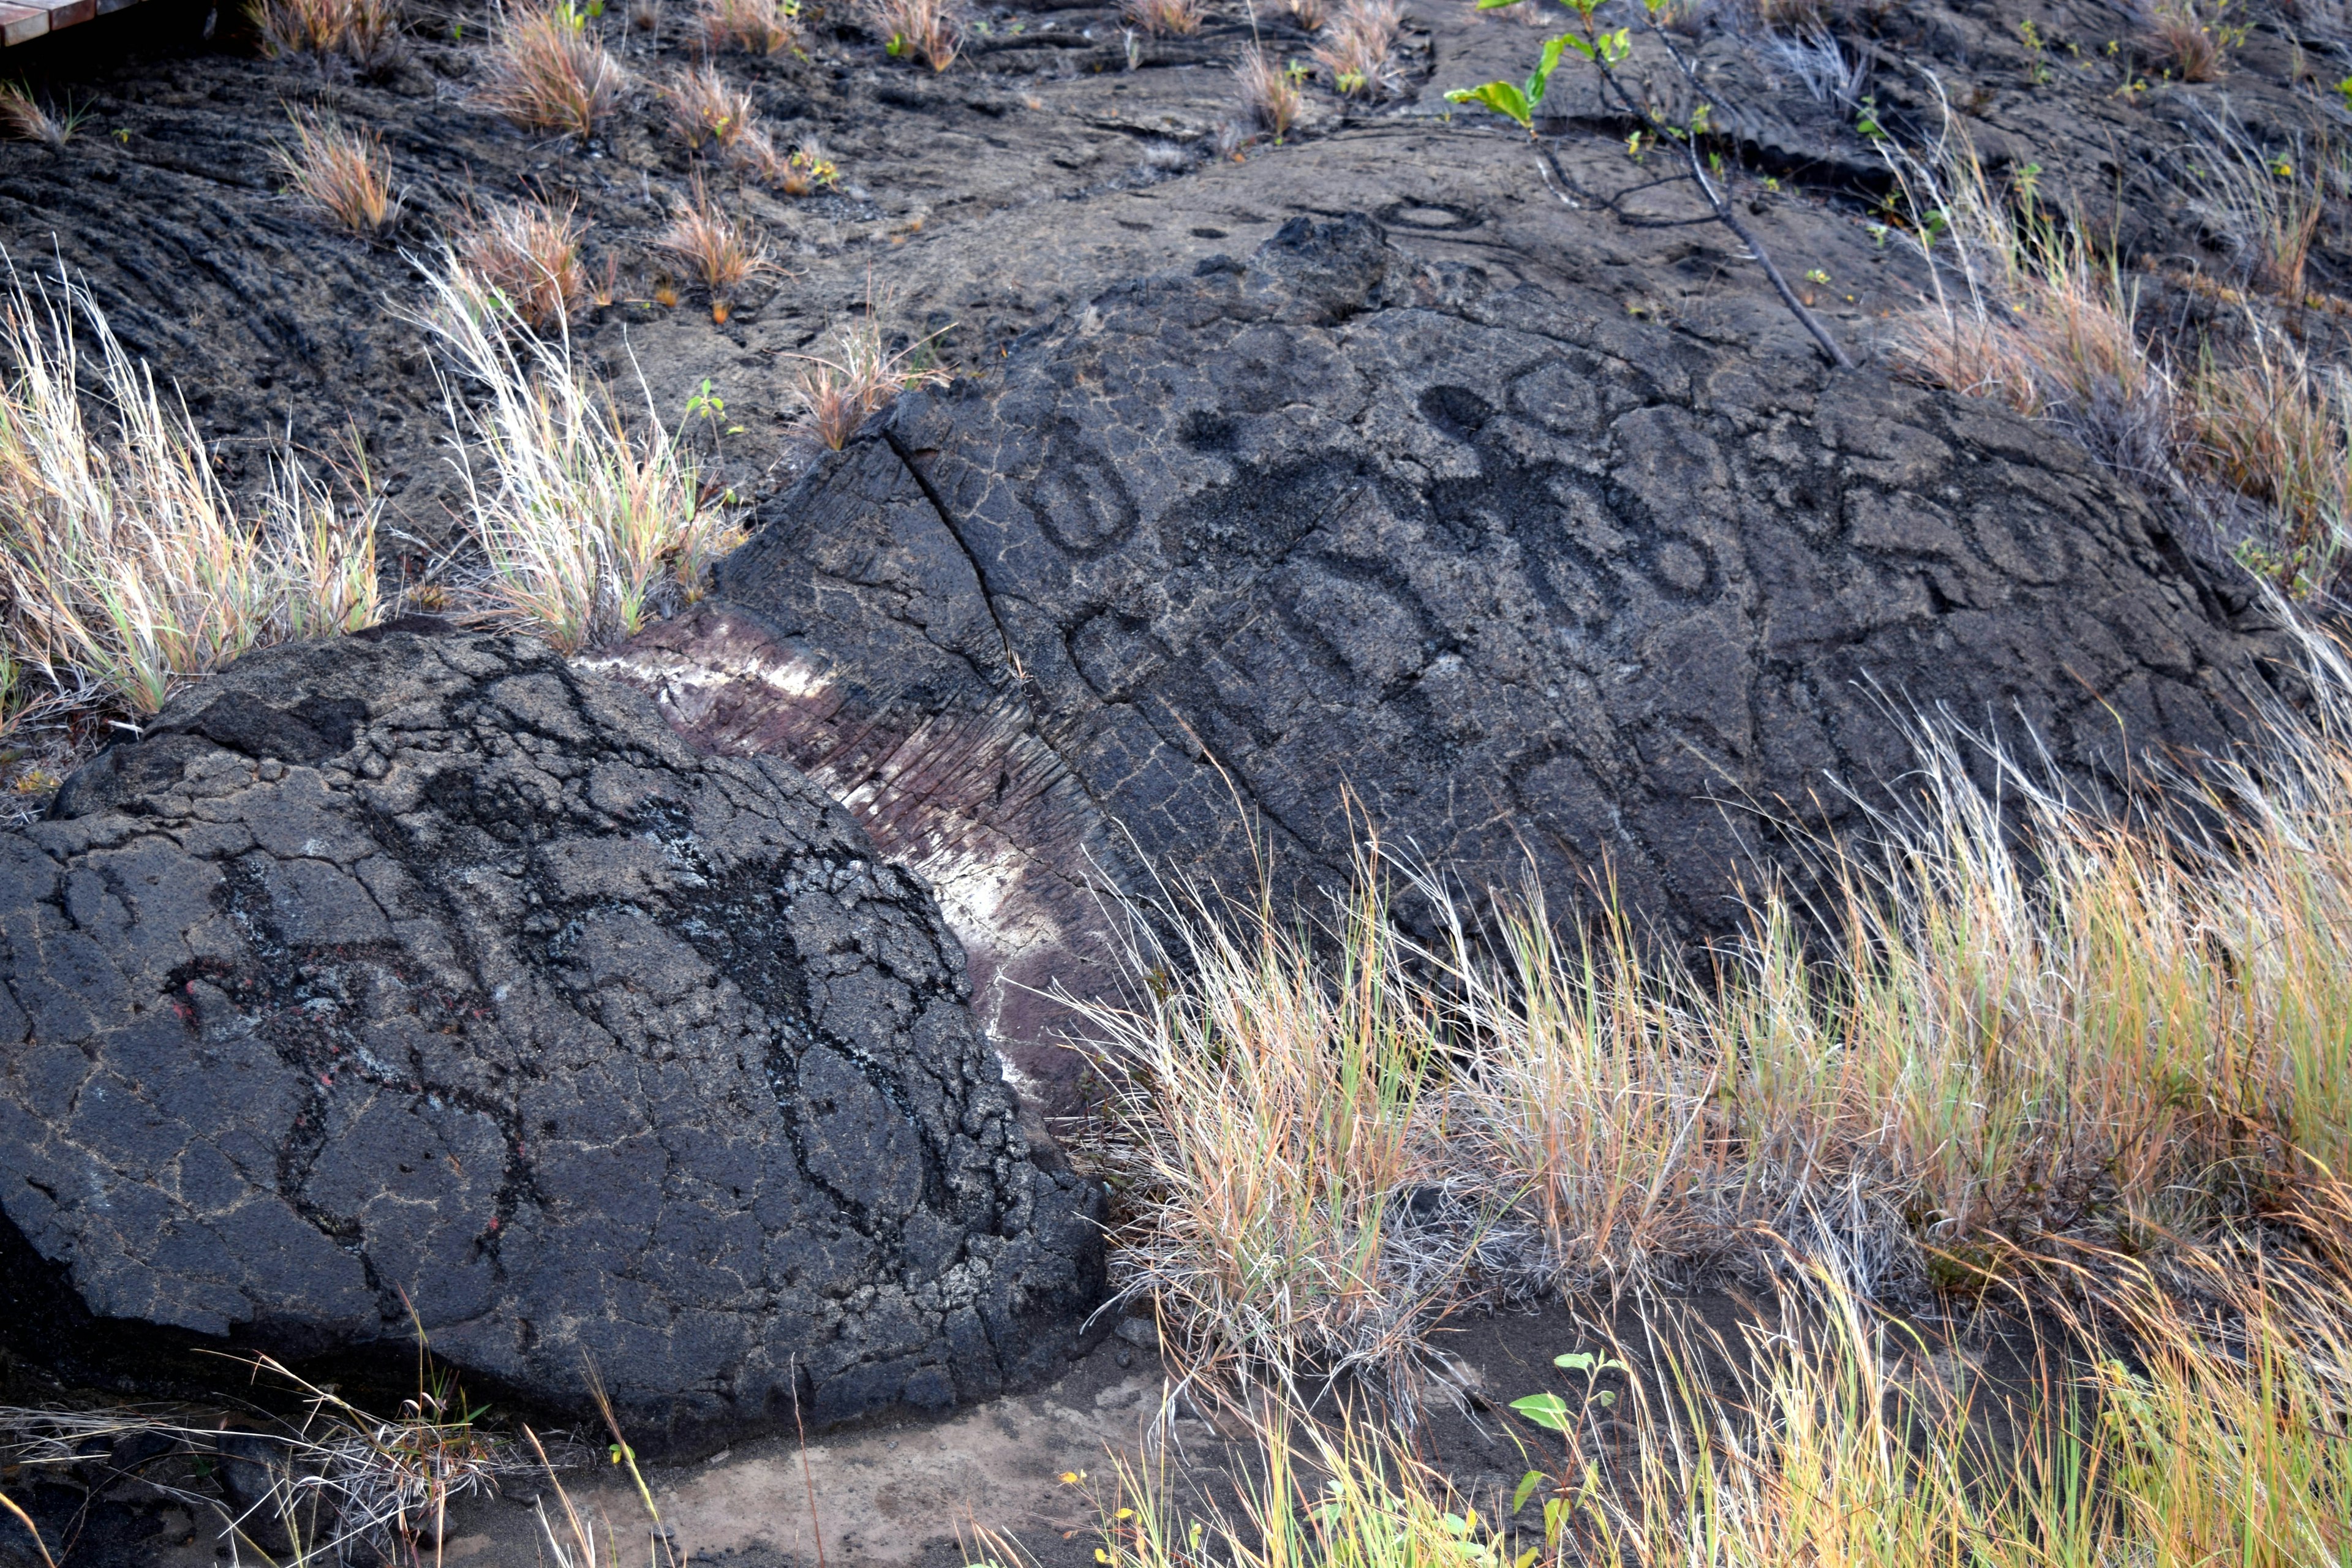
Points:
[[1269, 95], [1828, 1432], [931, 30], [365, 30], [127, 567], [529, 255], [763, 26], [549, 72], [343, 174], [1358, 47], [589, 528], [2038, 1025], [1162, 18], [859, 376]]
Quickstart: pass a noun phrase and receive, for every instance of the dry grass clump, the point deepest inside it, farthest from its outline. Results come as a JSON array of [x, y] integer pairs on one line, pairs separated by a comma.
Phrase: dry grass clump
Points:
[[527, 255], [1269, 92], [2085, 1033], [127, 567], [860, 375], [23, 117], [2189, 41], [547, 72], [722, 250], [589, 528], [363, 31], [1358, 47], [705, 107], [2025, 311], [1308, 14], [931, 30], [344, 175], [763, 26], [1163, 18], [2277, 428]]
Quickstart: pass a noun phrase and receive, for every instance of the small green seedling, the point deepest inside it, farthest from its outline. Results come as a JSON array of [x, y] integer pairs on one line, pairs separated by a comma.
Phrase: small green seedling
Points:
[[1518, 103], [1819, 277], [1550, 1410]]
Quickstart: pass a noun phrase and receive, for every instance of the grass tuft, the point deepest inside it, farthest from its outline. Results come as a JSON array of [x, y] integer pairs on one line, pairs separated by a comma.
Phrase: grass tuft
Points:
[[761, 27], [705, 107], [2187, 40], [127, 567], [1269, 95], [365, 32], [528, 256], [1358, 47], [23, 117], [343, 174], [547, 72], [589, 528], [859, 376], [931, 30], [722, 250], [1163, 18]]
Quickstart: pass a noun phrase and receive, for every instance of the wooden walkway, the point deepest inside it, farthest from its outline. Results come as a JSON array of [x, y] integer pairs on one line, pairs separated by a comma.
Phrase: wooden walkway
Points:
[[21, 22]]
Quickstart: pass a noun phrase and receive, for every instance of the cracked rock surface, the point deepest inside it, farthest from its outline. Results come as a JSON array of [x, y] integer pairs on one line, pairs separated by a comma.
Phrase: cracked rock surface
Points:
[[424, 966], [1338, 535]]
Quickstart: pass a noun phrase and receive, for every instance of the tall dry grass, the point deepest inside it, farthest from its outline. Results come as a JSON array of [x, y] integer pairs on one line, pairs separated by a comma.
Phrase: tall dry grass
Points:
[[527, 253], [1827, 1433], [929, 30], [589, 526], [763, 26], [2040, 1025], [127, 565]]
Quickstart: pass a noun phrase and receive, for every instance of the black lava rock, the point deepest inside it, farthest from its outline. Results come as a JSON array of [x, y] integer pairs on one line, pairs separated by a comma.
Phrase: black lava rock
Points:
[[424, 972]]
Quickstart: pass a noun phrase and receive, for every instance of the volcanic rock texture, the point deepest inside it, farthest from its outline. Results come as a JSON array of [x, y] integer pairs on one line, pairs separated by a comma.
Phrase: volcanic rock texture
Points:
[[1336, 537], [420, 971]]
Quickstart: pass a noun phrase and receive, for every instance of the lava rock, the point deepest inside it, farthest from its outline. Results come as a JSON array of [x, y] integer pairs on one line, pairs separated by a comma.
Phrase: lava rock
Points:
[[1336, 537], [423, 972]]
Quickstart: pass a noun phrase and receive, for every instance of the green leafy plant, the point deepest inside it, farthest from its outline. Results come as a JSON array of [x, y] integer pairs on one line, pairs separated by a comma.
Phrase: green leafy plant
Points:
[[1609, 49]]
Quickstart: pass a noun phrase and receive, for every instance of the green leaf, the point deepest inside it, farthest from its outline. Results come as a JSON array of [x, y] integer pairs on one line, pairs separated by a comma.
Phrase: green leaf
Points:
[[1542, 77], [1499, 96], [1527, 1484], [1615, 46], [1495, 4], [1544, 1409], [1576, 1361]]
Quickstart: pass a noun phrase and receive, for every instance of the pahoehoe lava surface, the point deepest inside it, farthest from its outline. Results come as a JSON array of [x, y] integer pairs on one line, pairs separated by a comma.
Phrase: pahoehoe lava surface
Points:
[[1344, 537], [422, 971]]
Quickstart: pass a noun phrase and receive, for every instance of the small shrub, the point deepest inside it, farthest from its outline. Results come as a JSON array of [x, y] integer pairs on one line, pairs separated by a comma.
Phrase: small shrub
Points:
[[529, 256], [588, 529], [705, 107], [763, 26], [365, 32], [721, 251], [1269, 94], [1164, 18], [344, 175], [861, 377], [1358, 47], [127, 567], [930, 29], [548, 73]]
